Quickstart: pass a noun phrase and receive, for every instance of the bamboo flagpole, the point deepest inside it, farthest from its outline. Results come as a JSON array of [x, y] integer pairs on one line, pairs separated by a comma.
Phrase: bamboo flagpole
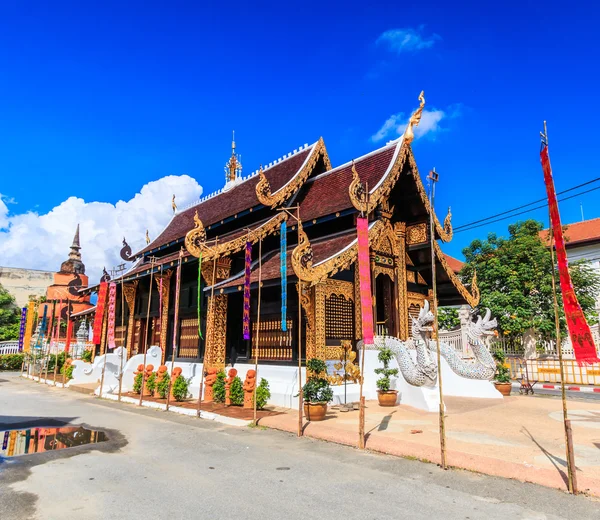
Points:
[[123, 336], [257, 326], [434, 177], [208, 344], [571, 467], [152, 260], [175, 326]]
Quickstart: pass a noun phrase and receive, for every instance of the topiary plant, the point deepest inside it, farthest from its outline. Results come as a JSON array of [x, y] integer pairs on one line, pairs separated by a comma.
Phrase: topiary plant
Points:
[[317, 388], [162, 385], [180, 388], [263, 394], [219, 388], [502, 371], [151, 382], [137, 382], [385, 356], [67, 370], [236, 391]]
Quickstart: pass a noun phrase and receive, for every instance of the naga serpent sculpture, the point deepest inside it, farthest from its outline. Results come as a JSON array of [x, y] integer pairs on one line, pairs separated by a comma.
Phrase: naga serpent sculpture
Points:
[[484, 367], [424, 371]]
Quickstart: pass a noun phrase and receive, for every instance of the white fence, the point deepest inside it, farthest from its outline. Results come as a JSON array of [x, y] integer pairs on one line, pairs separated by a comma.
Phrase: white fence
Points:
[[9, 347]]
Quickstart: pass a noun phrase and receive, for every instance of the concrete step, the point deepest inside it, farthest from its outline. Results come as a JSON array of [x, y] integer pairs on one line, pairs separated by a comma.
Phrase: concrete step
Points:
[[84, 388]]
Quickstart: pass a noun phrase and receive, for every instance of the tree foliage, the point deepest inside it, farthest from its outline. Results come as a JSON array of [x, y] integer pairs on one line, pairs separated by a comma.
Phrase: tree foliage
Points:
[[515, 280], [10, 316], [448, 318]]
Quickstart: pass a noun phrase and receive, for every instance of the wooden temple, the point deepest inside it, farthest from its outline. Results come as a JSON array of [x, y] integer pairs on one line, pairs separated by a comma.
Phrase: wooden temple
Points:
[[320, 204]]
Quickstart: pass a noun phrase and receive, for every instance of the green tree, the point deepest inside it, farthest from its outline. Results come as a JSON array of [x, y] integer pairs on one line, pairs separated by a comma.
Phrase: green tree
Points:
[[515, 279], [10, 316], [448, 318]]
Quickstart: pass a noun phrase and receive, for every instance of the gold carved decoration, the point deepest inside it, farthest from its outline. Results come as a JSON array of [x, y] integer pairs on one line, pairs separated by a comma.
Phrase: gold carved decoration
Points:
[[471, 297], [323, 291], [195, 238], [344, 367], [416, 234], [263, 188], [164, 316], [414, 120], [307, 303], [302, 257], [401, 277], [222, 271], [129, 290], [216, 332], [445, 232]]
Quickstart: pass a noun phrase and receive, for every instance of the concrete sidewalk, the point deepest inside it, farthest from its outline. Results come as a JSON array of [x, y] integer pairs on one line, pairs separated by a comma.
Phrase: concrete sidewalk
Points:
[[520, 437]]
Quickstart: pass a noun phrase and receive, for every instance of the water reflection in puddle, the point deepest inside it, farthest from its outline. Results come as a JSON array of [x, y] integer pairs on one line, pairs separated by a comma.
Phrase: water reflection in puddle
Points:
[[37, 440]]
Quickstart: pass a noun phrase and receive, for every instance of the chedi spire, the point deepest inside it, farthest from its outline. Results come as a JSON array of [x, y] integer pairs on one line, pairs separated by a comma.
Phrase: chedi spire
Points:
[[74, 264]]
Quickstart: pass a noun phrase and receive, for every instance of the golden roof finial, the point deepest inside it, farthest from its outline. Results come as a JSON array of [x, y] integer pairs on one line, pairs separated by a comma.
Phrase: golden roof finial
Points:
[[234, 166], [414, 120], [147, 237], [173, 205]]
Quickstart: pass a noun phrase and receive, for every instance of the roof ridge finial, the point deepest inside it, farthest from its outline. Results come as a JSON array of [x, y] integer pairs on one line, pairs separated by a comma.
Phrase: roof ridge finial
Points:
[[233, 168], [76, 244]]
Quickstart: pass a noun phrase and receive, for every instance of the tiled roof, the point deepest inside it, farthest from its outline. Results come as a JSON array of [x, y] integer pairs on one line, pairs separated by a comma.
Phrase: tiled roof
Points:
[[455, 264], [578, 232], [228, 203], [322, 250], [328, 193]]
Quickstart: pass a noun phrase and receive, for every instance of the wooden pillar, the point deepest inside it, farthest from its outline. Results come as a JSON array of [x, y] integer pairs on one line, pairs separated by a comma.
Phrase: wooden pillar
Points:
[[130, 291], [308, 305], [164, 312], [215, 343], [401, 282]]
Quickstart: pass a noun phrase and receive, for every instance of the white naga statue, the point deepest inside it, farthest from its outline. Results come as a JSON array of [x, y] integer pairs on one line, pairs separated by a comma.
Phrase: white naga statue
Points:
[[423, 371]]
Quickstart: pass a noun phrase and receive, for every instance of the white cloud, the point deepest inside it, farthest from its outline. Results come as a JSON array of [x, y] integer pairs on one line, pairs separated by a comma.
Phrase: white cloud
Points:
[[395, 125], [42, 241], [407, 40]]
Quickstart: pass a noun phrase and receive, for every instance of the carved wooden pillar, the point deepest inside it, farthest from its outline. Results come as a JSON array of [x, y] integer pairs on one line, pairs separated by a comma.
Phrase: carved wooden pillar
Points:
[[215, 349], [164, 312], [129, 290], [373, 289], [307, 300], [401, 283]]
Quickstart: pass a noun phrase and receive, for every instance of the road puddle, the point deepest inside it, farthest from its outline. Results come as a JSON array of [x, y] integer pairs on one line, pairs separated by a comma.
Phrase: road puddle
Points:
[[38, 440]]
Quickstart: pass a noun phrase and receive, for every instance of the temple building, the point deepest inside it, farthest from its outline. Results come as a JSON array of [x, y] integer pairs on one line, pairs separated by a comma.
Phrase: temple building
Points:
[[319, 204], [64, 296]]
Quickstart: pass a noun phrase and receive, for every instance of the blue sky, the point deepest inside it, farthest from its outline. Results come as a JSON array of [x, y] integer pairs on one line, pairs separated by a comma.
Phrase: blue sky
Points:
[[99, 100]]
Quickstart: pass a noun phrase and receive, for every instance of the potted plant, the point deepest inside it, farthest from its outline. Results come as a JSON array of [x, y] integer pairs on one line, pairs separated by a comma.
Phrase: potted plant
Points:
[[385, 395], [502, 377], [316, 392]]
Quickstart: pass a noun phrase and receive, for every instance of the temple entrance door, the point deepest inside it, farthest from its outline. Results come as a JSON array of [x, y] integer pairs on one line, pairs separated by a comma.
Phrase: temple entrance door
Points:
[[384, 306]]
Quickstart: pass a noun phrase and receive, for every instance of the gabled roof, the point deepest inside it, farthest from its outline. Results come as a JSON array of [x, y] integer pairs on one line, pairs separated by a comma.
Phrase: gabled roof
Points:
[[328, 193], [578, 233], [239, 198], [454, 263]]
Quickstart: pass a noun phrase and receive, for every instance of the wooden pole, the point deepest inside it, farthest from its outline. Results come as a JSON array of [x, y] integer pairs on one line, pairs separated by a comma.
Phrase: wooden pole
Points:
[[175, 326], [361, 402], [105, 346], [433, 177], [123, 331], [208, 344], [300, 396], [571, 468], [146, 331], [257, 325]]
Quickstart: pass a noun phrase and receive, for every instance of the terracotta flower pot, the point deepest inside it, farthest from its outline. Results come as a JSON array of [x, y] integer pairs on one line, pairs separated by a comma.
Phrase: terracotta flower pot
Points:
[[503, 388], [315, 411], [387, 398]]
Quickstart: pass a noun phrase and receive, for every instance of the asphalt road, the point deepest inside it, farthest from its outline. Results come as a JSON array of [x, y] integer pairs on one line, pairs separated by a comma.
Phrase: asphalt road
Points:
[[161, 465]]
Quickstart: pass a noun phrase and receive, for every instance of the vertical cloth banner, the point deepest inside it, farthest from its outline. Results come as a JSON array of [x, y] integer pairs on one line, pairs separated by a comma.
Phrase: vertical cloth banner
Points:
[[29, 326], [22, 328], [43, 324], [160, 312], [283, 258], [364, 274], [69, 334], [199, 294], [112, 302], [579, 330], [176, 316], [247, 272], [98, 318]]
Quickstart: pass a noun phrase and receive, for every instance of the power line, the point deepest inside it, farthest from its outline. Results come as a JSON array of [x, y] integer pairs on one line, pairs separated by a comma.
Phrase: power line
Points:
[[469, 227], [459, 228]]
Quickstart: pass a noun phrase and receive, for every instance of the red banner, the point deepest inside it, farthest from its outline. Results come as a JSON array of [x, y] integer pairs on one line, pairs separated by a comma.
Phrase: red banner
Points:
[[364, 273], [112, 303], [579, 330], [99, 317]]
